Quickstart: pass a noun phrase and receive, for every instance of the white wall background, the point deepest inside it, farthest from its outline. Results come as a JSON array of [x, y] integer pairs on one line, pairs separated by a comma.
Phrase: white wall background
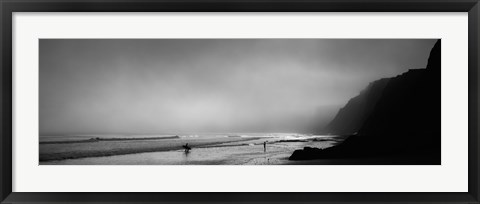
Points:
[[451, 176]]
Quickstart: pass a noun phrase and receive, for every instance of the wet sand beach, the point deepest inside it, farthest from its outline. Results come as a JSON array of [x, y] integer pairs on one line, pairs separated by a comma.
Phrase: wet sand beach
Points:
[[226, 150]]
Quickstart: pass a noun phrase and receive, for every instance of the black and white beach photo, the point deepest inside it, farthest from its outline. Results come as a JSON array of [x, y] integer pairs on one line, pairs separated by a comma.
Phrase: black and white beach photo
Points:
[[239, 102]]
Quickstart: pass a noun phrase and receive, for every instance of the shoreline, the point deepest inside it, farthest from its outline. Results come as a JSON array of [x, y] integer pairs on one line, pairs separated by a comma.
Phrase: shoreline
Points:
[[229, 154], [141, 146], [97, 139]]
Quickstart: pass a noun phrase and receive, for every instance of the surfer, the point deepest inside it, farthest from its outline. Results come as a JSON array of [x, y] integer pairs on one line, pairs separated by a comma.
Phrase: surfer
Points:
[[265, 146], [187, 148]]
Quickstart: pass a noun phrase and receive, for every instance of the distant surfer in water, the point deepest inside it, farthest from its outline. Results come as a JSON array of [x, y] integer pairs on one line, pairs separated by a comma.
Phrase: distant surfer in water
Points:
[[187, 148], [265, 146]]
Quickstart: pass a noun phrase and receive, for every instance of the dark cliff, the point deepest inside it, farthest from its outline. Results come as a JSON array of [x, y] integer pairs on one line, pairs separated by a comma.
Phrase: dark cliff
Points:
[[351, 117], [395, 116]]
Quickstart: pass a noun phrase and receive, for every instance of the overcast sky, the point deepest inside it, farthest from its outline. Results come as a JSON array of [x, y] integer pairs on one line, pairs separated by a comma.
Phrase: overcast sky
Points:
[[209, 85]]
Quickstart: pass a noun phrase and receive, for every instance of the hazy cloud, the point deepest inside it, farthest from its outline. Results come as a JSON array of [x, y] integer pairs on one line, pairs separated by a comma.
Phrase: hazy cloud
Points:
[[209, 85]]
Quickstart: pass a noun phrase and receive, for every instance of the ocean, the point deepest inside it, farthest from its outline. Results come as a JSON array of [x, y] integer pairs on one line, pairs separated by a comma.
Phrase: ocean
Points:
[[207, 149]]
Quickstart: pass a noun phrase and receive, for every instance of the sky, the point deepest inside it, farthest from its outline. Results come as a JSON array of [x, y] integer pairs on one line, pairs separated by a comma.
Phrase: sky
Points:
[[159, 86]]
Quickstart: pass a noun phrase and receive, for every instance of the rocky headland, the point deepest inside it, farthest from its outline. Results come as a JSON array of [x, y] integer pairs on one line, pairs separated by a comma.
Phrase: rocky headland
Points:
[[396, 117]]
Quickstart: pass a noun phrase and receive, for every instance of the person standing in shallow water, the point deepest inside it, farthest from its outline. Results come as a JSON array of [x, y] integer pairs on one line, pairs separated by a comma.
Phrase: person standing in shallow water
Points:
[[265, 146], [187, 148]]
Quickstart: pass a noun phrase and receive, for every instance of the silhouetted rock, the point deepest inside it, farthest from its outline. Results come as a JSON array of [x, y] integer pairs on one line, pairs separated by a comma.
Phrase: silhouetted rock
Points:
[[395, 116], [306, 153]]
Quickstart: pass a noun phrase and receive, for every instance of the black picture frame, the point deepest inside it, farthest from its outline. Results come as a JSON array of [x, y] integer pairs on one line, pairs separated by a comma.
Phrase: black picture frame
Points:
[[8, 7]]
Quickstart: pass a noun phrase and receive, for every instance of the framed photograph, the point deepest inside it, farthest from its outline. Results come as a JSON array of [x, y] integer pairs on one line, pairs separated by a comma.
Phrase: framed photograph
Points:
[[239, 101]]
